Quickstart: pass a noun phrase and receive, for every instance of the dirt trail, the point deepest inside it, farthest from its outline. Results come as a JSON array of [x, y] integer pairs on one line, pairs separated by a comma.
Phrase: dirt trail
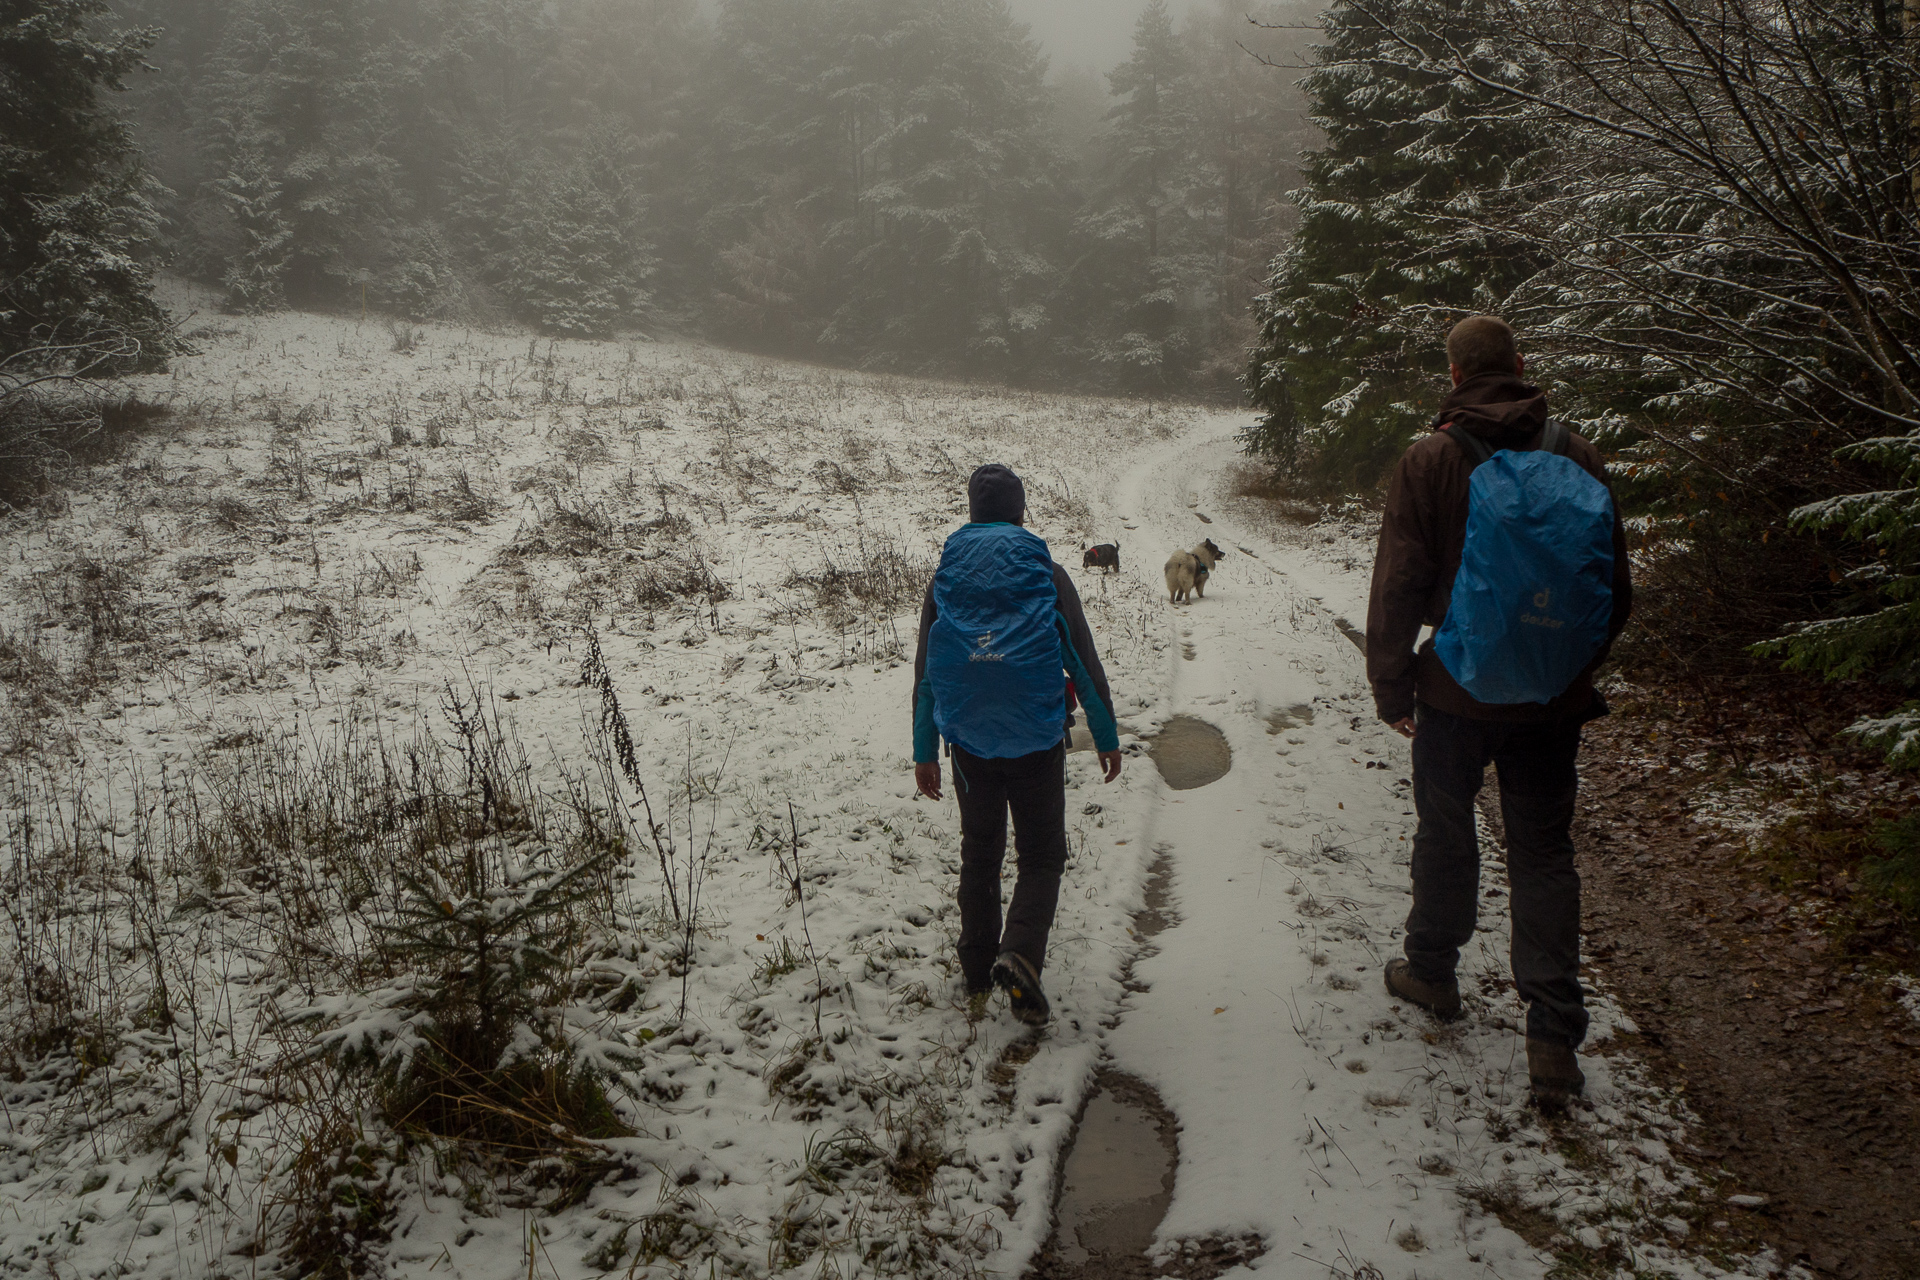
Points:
[[1804, 1075]]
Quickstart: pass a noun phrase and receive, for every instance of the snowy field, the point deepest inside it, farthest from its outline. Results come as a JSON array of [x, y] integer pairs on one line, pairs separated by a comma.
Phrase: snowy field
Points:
[[358, 562]]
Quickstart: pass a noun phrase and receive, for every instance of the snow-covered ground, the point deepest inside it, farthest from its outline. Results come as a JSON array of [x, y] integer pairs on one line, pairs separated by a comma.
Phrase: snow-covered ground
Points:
[[332, 536]]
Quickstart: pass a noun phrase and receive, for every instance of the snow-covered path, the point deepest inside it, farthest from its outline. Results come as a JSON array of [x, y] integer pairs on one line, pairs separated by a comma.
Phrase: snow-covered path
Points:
[[1314, 1112], [1258, 1027]]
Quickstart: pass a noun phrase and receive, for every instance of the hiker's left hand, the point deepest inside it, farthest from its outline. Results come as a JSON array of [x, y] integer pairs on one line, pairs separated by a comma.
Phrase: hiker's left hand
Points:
[[926, 776], [1110, 765]]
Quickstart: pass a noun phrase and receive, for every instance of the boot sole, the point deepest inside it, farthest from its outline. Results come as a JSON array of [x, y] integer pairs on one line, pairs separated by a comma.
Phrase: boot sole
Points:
[[1027, 1003]]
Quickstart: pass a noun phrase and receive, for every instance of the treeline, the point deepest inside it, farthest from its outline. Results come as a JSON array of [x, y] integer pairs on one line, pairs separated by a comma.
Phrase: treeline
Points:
[[1702, 216], [882, 182]]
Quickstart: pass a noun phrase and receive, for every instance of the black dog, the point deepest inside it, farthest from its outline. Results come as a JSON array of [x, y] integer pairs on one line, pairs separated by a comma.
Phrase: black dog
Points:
[[1104, 556]]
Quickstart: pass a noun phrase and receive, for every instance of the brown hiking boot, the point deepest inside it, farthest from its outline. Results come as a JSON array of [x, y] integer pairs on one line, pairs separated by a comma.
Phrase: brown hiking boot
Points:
[[1554, 1072], [1441, 999]]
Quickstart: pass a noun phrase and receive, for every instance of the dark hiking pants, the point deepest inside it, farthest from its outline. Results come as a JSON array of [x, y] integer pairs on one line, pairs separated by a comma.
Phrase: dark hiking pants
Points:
[[1034, 789], [1537, 787]]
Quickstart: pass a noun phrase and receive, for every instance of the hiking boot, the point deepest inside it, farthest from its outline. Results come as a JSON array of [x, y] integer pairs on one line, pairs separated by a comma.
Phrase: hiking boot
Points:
[[1024, 996], [1441, 999], [977, 1004], [1554, 1072]]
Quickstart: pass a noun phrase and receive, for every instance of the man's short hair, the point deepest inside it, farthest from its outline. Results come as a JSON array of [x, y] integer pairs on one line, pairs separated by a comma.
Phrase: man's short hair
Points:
[[1482, 344]]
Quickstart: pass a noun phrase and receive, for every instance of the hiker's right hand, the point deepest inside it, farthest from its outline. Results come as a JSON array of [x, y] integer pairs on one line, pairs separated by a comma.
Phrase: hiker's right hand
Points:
[[1404, 726], [926, 776]]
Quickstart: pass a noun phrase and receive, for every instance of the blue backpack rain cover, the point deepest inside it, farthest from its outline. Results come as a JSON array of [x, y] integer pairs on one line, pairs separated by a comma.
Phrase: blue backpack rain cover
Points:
[[1534, 596], [993, 653]]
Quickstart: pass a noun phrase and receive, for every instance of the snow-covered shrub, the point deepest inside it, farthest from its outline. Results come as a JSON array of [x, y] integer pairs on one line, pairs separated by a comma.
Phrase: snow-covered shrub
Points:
[[64, 994], [339, 1193], [580, 529], [257, 261], [676, 577], [472, 1038], [461, 903], [441, 914]]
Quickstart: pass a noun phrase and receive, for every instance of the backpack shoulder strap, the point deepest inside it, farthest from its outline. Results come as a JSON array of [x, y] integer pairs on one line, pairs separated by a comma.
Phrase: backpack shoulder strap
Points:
[[1472, 445], [1555, 438]]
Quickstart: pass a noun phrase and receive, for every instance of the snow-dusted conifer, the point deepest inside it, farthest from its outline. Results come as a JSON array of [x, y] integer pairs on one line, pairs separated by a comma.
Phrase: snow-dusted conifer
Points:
[[578, 261], [252, 198], [76, 212], [952, 209], [1357, 304], [1136, 283]]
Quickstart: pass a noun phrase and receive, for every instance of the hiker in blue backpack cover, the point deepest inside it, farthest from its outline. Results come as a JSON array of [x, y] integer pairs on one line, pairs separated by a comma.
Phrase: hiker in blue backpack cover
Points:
[[1001, 633], [1500, 531]]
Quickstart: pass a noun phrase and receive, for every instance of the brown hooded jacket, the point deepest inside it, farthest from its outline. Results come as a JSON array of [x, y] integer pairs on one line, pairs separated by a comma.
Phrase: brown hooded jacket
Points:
[[1422, 533]]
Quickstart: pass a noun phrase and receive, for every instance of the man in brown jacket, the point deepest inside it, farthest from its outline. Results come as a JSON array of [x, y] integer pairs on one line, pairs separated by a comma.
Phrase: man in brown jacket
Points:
[[1533, 745]]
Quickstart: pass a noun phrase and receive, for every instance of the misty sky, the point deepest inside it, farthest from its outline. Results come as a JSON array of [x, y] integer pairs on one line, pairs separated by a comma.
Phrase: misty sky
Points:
[[1094, 33]]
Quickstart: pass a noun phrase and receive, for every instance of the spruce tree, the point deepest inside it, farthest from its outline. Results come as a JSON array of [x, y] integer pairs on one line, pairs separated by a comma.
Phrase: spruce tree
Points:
[[884, 185], [578, 260], [319, 90], [1349, 354], [956, 197], [1143, 244], [791, 114], [253, 276], [1252, 129], [76, 212]]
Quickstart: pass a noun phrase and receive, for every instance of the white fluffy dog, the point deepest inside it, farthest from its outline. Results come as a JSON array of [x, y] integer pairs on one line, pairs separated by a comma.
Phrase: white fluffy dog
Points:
[[1188, 571]]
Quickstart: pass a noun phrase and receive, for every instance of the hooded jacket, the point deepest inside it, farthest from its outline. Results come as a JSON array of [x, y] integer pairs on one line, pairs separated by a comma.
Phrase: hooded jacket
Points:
[[1422, 534]]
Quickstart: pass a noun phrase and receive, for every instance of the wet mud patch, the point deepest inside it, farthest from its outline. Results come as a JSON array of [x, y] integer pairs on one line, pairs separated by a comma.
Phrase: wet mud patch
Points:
[[1158, 915], [1190, 753], [1115, 1186], [1297, 716]]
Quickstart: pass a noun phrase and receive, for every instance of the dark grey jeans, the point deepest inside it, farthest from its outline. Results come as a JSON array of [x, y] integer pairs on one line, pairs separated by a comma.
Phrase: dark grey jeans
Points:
[[1034, 790], [1537, 788]]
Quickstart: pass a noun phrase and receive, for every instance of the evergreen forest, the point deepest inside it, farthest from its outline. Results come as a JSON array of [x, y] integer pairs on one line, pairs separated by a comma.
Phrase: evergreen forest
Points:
[[1703, 219], [889, 184]]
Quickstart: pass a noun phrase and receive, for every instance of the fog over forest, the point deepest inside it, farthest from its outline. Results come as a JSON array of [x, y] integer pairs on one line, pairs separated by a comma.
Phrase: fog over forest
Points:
[[901, 186], [469, 473], [1091, 34]]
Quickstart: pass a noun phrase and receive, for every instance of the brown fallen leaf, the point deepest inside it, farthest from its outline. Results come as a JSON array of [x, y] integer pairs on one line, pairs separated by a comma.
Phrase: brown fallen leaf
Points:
[[1221, 1009]]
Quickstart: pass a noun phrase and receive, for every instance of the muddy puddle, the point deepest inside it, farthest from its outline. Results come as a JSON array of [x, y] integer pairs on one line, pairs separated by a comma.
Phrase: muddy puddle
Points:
[[1190, 753], [1115, 1186]]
